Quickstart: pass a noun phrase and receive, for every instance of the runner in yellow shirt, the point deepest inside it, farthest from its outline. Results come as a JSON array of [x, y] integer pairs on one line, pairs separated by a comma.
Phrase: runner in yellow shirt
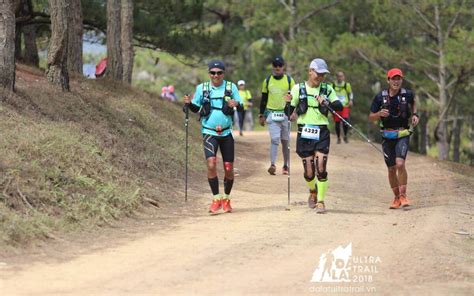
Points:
[[310, 100], [272, 106], [247, 101]]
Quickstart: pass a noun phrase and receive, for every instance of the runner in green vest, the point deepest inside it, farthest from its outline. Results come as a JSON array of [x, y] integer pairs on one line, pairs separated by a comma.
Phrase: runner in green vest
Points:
[[310, 100], [246, 97], [344, 93]]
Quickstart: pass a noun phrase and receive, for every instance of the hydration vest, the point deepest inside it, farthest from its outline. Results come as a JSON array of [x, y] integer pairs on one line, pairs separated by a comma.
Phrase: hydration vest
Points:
[[302, 106], [344, 87], [206, 106], [402, 105]]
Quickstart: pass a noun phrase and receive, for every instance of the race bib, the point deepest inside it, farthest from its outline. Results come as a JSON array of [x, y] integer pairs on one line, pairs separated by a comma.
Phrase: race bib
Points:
[[278, 116], [310, 132]]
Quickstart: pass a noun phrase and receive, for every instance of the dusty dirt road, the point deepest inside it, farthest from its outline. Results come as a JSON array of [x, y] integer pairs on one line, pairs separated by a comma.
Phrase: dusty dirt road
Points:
[[263, 249]]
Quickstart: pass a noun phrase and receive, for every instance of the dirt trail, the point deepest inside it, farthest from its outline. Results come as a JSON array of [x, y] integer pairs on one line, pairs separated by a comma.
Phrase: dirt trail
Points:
[[264, 249]]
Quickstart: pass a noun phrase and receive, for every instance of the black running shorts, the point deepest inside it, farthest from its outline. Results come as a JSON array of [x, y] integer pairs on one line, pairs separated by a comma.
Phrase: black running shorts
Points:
[[212, 144], [397, 148], [306, 148]]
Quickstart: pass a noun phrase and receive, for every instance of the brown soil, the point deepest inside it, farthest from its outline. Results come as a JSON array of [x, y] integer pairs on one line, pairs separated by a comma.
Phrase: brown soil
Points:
[[268, 248]]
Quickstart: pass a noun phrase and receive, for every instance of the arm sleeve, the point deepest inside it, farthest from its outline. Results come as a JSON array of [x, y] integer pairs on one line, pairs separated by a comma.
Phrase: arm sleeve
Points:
[[289, 109], [263, 102], [336, 105], [195, 104], [192, 107]]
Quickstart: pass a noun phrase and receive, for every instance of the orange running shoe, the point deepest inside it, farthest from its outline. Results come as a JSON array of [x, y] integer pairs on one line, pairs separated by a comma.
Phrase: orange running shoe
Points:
[[215, 206], [395, 203], [226, 205], [404, 201]]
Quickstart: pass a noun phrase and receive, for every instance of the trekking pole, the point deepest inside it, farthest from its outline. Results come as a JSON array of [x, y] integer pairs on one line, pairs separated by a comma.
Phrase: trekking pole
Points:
[[186, 121], [359, 132], [289, 150]]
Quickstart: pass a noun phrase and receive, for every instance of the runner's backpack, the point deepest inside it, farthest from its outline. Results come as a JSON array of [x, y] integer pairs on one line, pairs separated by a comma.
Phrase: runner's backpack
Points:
[[402, 107], [302, 106], [206, 106], [344, 87], [288, 77]]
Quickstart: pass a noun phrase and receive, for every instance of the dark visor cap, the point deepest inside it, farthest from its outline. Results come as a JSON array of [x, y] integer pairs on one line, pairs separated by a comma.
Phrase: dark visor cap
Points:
[[278, 61], [216, 64]]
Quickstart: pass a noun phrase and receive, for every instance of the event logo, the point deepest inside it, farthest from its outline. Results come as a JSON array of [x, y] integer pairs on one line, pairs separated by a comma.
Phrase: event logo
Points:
[[342, 266], [334, 266]]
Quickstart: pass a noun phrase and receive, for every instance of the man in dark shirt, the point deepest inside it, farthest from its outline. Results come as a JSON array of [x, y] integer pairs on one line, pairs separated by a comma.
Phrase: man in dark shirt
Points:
[[395, 109]]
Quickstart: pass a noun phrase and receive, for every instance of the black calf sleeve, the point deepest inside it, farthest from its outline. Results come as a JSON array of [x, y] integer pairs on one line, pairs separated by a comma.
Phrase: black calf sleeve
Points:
[[228, 185], [214, 183]]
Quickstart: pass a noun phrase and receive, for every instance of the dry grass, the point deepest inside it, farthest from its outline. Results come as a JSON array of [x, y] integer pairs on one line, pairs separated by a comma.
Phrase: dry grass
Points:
[[84, 158]]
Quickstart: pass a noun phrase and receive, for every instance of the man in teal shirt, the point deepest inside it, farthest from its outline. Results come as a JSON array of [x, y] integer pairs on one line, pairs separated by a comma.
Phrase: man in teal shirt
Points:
[[215, 101]]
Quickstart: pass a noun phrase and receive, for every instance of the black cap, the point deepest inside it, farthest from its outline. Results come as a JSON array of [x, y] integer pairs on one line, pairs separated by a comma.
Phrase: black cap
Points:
[[216, 64], [278, 61]]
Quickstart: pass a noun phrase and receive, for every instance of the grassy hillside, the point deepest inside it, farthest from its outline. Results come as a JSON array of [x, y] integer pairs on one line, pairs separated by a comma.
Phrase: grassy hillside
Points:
[[74, 160]]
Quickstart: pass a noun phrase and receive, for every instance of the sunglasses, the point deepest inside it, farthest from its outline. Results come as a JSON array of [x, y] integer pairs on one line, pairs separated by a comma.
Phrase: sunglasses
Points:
[[278, 65], [216, 73]]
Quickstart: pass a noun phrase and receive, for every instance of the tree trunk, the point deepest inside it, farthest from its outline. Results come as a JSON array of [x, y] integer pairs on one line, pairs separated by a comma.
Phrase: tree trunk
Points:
[[457, 126], [7, 45], [441, 137], [114, 53], [30, 55], [352, 27], [127, 39], [56, 71], [441, 132], [471, 137], [291, 36], [18, 37], [74, 57], [423, 127]]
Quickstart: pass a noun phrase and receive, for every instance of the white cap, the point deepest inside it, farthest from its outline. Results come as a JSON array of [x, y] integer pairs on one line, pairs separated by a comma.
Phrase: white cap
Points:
[[319, 65], [240, 82]]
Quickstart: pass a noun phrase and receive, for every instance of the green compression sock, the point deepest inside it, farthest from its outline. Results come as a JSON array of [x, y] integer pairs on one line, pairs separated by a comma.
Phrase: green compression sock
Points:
[[322, 188], [311, 184]]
